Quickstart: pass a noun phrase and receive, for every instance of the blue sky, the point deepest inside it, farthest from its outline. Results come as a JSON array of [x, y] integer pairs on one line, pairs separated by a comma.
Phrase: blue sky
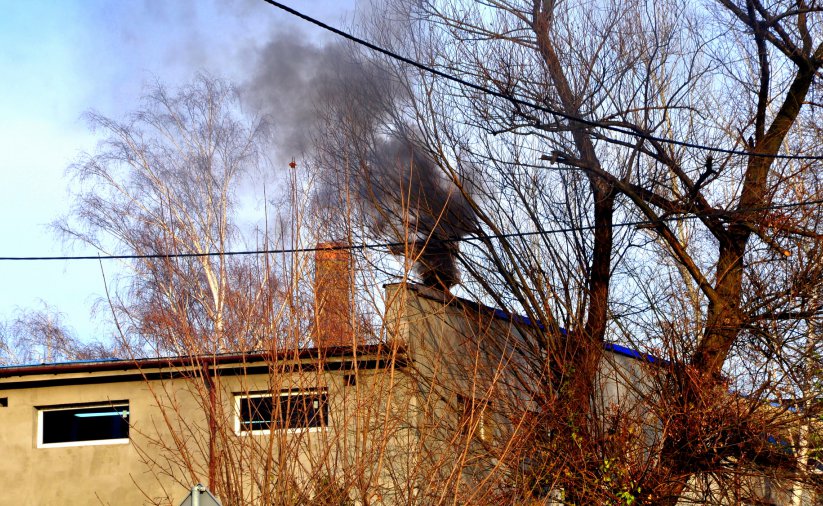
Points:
[[60, 59]]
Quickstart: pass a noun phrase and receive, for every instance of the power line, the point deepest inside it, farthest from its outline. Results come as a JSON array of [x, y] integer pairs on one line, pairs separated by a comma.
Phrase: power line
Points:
[[519, 101], [389, 245]]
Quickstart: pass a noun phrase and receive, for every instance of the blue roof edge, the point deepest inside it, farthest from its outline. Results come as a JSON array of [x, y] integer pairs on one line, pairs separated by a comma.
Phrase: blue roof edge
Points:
[[628, 352]]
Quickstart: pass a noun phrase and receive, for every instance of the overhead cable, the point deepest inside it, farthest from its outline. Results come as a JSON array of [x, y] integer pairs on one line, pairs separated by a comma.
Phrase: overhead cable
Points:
[[526, 103], [393, 245]]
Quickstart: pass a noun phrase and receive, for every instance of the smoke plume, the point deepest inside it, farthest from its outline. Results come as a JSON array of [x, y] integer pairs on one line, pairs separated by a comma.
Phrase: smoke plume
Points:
[[345, 112]]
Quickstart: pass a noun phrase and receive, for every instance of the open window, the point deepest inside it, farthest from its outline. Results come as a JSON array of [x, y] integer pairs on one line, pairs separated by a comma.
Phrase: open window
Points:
[[85, 424], [261, 412]]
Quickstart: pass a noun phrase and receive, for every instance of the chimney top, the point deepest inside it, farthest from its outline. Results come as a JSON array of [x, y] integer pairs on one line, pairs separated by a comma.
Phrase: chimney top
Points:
[[333, 298]]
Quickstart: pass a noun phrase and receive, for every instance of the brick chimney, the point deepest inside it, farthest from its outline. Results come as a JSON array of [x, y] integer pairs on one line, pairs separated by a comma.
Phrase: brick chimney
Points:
[[332, 292]]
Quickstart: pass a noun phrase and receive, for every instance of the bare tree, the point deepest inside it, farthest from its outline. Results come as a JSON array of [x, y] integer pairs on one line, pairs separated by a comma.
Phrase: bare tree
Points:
[[662, 189], [166, 182], [627, 180], [42, 336]]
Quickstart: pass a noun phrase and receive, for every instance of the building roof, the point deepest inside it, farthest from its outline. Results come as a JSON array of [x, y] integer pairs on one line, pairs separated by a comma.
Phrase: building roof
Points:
[[374, 356], [258, 361], [525, 321]]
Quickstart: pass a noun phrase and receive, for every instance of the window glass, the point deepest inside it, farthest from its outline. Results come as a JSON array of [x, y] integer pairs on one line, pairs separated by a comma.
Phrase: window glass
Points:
[[255, 413], [288, 410], [83, 425]]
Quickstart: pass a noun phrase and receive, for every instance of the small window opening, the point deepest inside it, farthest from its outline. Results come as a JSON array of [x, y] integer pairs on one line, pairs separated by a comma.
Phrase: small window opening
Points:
[[83, 425], [258, 413]]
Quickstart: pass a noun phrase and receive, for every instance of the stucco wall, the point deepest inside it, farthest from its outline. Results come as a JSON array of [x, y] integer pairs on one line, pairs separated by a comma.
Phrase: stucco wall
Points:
[[76, 474], [169, 438]]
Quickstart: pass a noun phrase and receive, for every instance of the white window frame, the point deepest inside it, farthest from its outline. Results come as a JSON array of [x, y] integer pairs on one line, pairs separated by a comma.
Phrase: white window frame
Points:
[[93, 442], [283, 393]]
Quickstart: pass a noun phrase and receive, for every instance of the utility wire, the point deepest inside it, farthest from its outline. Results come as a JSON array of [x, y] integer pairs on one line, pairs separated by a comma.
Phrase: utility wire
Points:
[[390, 245], [525, 103], [476, 87]]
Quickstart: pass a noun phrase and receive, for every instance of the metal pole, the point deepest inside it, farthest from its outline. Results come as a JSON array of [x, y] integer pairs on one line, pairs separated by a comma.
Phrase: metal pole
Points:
[[195, 494]]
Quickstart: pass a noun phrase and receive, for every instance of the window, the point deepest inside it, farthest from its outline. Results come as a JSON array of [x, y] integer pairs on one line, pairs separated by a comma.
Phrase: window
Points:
[[259, 413], [88, 424]]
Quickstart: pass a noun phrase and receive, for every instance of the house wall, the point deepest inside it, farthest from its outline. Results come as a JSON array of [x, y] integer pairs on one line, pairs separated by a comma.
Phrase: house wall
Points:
[[397, 431], [168, 446], [386, 432], [78, 474], [466, 370], [460, 350]]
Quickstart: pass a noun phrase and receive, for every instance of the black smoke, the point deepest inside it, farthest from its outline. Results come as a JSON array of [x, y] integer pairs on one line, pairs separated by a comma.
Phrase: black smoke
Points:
[[349, 114], [404, 179]]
